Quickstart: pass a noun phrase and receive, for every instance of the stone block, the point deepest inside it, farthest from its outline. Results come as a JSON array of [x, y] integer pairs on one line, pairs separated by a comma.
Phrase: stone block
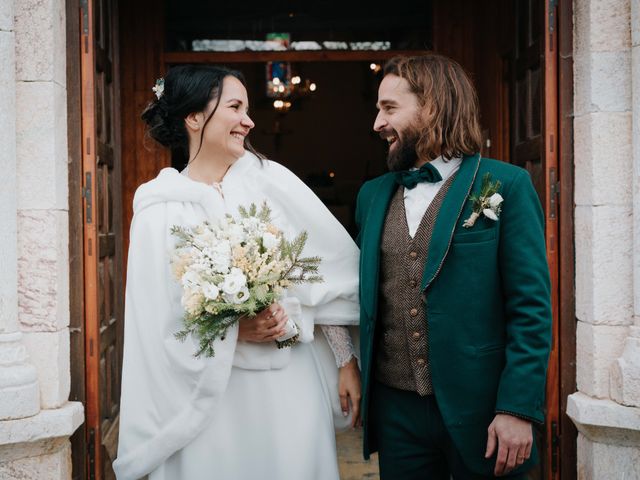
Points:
[[601, 25], [6, 17], [50, 466], [599, 461], [50, 354], [625, 372], [7, 102], [597, 347], [40, 40], [604, 264], [19, 392], [43, 270], [41, 139], [8, 192], [635, 22], [602, 82], [603, 158], [45, 426]]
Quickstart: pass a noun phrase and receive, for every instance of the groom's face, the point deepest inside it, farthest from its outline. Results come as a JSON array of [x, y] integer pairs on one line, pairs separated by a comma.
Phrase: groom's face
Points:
[[398, 121]]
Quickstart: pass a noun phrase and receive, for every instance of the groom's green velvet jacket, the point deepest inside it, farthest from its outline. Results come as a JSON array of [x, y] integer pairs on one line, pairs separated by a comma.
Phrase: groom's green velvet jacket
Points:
[[487, 295]]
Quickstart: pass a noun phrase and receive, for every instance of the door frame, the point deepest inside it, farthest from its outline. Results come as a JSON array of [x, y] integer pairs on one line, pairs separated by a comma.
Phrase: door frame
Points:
[[562, 40], [567, 431]]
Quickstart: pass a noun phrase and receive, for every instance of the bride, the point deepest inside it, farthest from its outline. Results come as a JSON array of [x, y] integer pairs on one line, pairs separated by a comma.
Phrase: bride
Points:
[[253, 410]]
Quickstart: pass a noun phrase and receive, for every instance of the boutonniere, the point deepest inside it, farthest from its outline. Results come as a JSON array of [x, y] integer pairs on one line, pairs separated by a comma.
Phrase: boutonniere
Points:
[[488, 203]]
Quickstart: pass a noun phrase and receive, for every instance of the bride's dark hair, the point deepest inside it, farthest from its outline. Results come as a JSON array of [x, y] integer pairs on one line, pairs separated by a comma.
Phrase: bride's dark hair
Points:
[[187, 89]]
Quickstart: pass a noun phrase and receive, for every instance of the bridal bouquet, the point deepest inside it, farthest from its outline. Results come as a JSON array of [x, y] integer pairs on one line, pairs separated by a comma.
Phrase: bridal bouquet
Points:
[[233, 268]]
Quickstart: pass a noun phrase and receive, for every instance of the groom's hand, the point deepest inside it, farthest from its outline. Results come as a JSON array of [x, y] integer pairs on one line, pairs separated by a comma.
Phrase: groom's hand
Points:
[[514, 437], [264, 327]]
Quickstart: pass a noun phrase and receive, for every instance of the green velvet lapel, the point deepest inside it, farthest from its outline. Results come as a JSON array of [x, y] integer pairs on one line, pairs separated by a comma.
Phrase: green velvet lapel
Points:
[[448, 216], [371, 238]]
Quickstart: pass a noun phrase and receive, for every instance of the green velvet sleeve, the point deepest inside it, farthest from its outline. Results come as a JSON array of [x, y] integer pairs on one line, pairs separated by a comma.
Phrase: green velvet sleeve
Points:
[[526, 286]]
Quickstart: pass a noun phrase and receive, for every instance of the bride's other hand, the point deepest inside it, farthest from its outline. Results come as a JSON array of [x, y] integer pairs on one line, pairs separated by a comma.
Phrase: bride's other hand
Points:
[[350, 392], [264, 327]]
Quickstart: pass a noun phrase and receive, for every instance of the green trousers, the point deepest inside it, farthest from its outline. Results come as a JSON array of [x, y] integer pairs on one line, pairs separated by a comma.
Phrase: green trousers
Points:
[[413, 443]]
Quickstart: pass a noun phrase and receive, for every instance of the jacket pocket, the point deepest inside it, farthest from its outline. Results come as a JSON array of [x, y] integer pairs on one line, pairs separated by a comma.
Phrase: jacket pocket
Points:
[[479, 236]]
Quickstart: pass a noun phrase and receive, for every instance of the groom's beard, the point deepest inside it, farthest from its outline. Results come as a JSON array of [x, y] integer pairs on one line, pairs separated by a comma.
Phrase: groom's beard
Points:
[[403, 156]]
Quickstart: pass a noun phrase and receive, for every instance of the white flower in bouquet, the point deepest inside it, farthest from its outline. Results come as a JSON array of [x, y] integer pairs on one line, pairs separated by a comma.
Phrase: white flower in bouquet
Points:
[[234, 281], [192, 301], [219, 255], [234, 268], [180, 262], [190, 278], [239, 297], [269, 240], [236, 234], [210, 291], [251, 225]]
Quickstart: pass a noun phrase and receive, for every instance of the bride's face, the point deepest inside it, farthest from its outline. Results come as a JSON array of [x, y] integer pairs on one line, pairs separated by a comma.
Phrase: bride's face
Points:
[[225, 132]]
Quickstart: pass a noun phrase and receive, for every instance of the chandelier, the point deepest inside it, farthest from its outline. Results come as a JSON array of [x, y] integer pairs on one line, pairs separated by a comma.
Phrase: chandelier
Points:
[[283, 87]]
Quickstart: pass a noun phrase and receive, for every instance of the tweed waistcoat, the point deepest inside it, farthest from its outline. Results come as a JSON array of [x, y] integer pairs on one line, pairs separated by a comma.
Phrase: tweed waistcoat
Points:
[[402, 358]]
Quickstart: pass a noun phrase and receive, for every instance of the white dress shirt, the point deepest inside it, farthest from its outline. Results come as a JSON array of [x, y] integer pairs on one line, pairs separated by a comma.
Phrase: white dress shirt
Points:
[[418, 199]]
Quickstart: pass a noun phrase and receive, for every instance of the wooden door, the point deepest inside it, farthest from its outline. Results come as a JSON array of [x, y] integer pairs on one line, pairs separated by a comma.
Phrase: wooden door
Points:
[[534, 141], [510, 49], [102, 233]]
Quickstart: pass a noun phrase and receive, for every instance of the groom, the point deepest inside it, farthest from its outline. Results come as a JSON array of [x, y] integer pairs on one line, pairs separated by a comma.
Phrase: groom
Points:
[[455, 295]]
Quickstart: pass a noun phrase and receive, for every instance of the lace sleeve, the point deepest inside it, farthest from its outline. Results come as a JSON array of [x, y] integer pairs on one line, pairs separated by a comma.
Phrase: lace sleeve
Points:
[[340, 343]]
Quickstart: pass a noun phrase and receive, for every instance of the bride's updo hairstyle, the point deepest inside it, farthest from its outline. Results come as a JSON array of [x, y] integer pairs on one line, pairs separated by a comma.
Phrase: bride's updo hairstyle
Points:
[[186, 89]]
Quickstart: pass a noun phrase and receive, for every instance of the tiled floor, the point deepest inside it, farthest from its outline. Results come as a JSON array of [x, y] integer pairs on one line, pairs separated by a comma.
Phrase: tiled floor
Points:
[[352, 465]]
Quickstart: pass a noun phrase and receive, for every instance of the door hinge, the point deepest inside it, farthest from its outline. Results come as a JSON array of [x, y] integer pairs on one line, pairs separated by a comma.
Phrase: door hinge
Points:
[[84, 12], [554, 193], [92, 454], [552, 15], [86, 193]]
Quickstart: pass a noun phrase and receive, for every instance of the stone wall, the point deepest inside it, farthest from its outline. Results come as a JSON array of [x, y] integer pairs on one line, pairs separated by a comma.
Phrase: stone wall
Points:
[[606, 185], [34, 270]]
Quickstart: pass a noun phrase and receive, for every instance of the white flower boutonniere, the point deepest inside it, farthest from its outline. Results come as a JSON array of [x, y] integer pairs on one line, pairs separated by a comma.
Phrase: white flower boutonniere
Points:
[[488, 203]]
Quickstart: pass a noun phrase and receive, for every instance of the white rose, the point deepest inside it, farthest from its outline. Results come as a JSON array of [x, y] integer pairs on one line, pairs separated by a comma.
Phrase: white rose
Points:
[[490, 214], [234, 282], [495, 200], [210, 291], [190, 278], [269, 240], [240, 296]]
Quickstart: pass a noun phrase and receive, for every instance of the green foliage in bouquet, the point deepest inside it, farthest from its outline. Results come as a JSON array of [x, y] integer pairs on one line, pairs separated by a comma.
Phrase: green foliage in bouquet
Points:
[[262, 263]]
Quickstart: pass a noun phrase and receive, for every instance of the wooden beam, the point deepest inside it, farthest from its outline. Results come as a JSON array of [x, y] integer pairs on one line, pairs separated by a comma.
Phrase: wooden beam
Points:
[[568, 321], [174, 58]]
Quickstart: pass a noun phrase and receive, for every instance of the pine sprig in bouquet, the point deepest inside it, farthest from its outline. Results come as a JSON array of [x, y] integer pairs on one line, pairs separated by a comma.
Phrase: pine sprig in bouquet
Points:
[[234, 268]]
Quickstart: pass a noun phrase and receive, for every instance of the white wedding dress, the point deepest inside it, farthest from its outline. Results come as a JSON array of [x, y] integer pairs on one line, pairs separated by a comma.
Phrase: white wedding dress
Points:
[[252, 411]]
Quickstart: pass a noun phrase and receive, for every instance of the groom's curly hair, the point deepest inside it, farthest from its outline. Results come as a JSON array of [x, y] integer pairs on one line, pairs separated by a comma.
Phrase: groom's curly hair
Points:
[[449, 123]]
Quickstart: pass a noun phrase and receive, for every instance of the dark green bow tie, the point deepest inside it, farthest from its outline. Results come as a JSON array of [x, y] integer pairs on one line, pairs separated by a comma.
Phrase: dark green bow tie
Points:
[[426, 173]]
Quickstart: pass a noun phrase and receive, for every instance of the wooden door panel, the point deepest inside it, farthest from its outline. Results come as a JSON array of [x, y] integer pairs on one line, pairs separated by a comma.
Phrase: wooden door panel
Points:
[[534, 147], [509, 49], [103, 226]]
